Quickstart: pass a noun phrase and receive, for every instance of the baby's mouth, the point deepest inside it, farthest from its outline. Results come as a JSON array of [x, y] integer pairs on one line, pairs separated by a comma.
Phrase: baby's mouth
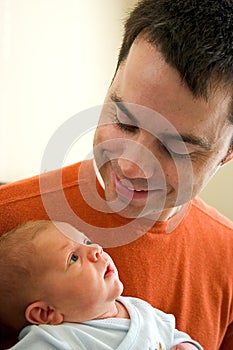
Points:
[[108, 271]]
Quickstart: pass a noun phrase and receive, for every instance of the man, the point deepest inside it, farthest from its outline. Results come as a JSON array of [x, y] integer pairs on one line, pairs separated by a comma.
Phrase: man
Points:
[[165, 129]]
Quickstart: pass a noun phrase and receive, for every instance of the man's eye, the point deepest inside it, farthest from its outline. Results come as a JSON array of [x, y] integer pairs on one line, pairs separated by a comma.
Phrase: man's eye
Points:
[[125, 126], [177, 155], [173, 154], [73, 259], [180, 155]]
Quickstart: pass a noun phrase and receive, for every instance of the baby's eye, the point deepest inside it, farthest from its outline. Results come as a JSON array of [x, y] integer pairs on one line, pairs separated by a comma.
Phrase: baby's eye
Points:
[[73, 259], [88, 242]]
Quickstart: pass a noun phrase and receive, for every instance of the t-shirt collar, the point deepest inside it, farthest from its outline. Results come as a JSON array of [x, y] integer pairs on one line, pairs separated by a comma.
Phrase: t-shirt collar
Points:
[[99, 177]]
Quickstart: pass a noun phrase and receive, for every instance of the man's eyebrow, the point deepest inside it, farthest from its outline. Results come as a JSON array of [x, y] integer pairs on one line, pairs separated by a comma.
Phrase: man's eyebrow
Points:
[[120, 104], [187, 138], [191, 139]]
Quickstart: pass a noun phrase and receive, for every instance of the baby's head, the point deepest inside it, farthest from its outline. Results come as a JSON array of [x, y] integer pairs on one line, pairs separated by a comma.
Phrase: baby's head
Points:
[[19, 277], [50, 273]]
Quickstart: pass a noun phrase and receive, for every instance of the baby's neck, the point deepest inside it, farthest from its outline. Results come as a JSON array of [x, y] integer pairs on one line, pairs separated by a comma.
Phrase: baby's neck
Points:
[[122, 311]]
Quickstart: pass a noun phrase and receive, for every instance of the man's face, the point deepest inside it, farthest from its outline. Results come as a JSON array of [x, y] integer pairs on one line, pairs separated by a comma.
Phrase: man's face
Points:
[[156, 146]]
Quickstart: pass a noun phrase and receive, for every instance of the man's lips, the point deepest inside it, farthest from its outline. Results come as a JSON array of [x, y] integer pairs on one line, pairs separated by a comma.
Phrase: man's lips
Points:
[[130, 192]]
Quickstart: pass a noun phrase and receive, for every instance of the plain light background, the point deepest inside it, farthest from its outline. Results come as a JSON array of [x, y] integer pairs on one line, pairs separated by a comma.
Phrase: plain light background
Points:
[[57, 58]]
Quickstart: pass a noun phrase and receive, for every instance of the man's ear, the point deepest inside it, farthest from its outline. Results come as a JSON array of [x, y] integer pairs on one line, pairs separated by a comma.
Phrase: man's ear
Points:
[[40, 312], [228, 157]]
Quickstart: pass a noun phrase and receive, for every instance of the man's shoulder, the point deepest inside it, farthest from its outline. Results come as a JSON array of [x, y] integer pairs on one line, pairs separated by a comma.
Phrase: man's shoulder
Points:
[[44, 196], [208, 215], [47, 182]]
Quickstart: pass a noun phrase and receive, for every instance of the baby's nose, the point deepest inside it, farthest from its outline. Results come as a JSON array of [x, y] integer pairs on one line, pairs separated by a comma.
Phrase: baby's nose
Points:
[[94, 252]]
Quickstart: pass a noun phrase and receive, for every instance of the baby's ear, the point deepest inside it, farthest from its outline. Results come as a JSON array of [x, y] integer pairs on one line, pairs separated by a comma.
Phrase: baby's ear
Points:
[[40, 312]]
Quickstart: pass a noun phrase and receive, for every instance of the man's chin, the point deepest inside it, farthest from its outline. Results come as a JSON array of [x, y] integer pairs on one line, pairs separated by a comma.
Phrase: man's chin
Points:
[[130, 211]]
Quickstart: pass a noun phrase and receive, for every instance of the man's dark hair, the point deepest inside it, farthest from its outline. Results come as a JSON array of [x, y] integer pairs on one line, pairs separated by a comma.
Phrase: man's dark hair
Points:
[[194, 36]]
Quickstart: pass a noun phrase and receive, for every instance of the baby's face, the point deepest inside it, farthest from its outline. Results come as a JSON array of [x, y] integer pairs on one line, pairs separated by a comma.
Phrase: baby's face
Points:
[[78, 277]]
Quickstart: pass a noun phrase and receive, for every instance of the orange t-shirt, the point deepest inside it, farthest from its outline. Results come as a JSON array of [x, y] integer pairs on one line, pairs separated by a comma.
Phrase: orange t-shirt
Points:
[[187, 271]]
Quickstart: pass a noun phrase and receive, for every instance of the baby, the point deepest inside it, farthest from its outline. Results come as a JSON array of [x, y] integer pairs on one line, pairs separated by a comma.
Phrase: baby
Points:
[[61, 291]]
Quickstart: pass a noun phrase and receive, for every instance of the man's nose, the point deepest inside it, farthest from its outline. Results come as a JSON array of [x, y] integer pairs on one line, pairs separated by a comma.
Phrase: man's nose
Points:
[[131, 169], [94, 252], [137, 161]]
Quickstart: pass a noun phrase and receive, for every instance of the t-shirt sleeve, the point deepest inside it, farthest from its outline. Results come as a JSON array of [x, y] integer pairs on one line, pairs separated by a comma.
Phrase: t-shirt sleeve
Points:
[[181, 337]]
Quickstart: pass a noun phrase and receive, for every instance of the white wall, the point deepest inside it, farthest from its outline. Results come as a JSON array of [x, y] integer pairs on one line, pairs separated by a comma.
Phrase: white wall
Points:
[[219, 191], [57, 58]]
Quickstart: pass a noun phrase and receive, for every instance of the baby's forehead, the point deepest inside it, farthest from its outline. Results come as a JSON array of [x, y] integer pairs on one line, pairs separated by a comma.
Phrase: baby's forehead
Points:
[[70, 231]]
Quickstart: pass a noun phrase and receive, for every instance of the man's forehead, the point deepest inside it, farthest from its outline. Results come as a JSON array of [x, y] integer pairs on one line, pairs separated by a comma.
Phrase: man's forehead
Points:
[[147, 79]]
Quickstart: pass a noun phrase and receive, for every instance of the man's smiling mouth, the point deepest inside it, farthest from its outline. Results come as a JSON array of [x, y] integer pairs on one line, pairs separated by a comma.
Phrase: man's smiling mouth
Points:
[[125, 188]]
